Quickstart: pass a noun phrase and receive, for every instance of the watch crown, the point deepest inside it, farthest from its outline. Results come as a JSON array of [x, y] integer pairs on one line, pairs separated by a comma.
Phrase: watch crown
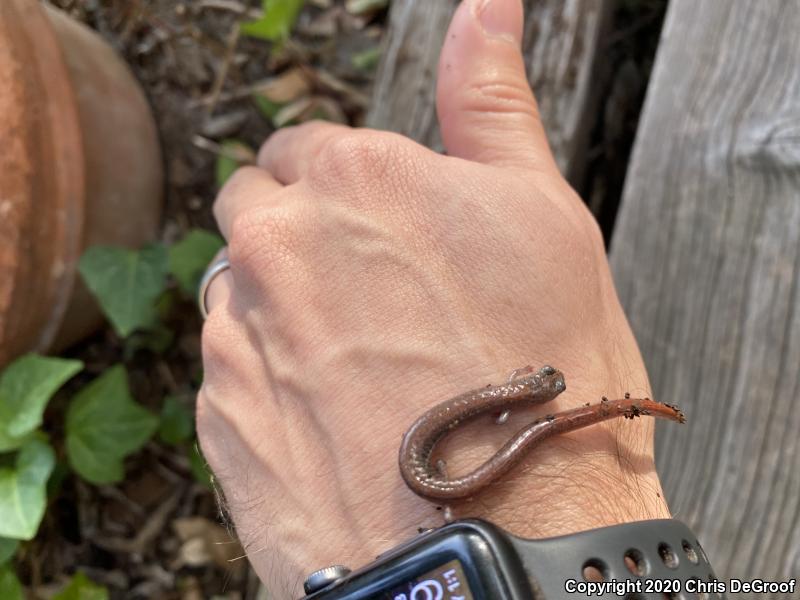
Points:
[[322, 578]]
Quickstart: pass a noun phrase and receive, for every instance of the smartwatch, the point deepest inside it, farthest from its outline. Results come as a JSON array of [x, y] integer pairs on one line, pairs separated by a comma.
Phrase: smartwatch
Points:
[[474, 560]]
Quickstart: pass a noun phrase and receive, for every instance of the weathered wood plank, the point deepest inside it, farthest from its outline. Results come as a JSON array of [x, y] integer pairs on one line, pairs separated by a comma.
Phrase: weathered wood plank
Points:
[[560, 41], [706, 256]]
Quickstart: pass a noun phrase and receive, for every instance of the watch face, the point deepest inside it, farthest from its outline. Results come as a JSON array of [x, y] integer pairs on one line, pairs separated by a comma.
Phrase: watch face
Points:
[[466, 560], [446, 582]]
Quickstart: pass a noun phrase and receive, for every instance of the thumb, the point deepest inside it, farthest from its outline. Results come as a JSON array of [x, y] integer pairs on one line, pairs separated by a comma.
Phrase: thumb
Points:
[[486, 109]]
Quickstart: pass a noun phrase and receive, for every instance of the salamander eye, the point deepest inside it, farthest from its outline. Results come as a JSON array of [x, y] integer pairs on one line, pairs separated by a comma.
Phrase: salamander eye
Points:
[[547, 370]]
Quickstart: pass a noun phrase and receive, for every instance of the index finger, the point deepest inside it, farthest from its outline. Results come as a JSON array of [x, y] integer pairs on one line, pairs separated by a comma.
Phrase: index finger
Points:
[[289, 152]]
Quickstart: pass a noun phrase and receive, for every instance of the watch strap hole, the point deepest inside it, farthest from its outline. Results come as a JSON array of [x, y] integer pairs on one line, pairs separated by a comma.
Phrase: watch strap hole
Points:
[[668, 556], [594, 570], [690, 552], [636, 562]]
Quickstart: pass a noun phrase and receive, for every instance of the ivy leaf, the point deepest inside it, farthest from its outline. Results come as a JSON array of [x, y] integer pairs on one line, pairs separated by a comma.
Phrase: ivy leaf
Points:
[[26, 386], [177, 423], [190, 257], [8, 548], [126, 283], [23, 490], [266, 107], [104, 425], [10, 587], [277, 21], [233, 155], [82, 588]]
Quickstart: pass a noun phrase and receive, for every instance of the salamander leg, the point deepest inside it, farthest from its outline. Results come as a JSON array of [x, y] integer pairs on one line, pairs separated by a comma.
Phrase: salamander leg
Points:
[[503, 417], [448, 514], [447, 511]]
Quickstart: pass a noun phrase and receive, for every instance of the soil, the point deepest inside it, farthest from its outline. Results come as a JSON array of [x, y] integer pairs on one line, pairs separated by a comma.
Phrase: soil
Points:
[[159, 534]]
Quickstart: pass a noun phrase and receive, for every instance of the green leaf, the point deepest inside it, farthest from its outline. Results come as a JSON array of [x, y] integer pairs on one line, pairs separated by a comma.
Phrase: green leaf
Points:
[[81, 587], [177, 423], [367, 59], [277, 21], [8, 548], [10, 587], [233, 154], [267, 107], [189, 258], [126, 283], [23, 491], [104, 425], [26, 386]]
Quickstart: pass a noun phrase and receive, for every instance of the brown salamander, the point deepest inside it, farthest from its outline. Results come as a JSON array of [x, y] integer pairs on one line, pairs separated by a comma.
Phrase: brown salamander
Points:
[[428, 480]]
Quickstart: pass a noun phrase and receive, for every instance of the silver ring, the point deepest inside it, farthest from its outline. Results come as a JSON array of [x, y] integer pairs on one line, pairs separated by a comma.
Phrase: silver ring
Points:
[[214, 270]]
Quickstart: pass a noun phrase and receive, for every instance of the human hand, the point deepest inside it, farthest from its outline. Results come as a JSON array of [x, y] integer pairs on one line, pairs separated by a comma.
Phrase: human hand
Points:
[[372, 278]]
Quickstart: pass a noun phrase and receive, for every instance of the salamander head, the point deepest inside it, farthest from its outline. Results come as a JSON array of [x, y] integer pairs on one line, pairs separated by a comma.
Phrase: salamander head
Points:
[[552, 379]]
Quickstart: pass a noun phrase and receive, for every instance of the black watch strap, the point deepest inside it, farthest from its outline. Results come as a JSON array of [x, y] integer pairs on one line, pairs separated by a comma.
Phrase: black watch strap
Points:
[[646, 556]]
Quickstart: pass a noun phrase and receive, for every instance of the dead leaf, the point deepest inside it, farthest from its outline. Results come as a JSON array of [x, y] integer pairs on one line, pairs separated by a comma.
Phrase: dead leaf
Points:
[[204, 541], [327, 108], [192, 589], [224, 125], [365, 7], [194, 552], [287, 87], [292, 112]]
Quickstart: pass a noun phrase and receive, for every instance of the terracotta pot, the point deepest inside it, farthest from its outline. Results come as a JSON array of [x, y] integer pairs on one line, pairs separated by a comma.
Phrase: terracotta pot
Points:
[[79, 165]]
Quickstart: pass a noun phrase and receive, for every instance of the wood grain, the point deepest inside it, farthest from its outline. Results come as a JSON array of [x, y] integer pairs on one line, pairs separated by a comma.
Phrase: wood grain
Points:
[[560, 44], [706, 256]]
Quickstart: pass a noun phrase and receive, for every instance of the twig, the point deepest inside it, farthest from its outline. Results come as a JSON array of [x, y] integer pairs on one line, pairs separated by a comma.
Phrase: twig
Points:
[[148, 532], [211, 146], [167, 376], [237, 94], [222, 74], [115, 493], [131, 20], [333, 83], [232, 6]]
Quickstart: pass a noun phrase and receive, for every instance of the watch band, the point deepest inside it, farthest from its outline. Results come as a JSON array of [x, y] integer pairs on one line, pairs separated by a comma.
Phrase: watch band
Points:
[[645, 560], [648, 557]]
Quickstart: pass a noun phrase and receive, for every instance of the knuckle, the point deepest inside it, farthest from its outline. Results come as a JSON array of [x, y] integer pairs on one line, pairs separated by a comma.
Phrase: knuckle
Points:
[[247, 237], [239, 181], [285, 135], [243, 241], [356, 156], [262, 238], [216, 341], [236, 182], [494, 96], [594, 232]]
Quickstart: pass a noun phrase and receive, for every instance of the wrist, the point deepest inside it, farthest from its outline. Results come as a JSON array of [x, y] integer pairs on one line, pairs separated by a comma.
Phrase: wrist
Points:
[[581, 481], [601, 475]]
